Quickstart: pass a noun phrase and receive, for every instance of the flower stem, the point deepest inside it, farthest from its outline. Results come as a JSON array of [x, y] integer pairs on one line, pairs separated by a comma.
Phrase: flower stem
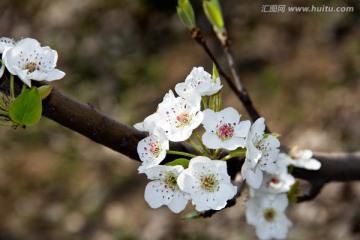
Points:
[[236, 153], [180, 153], [204, 101], [195, 146], [206, 150], [12, 91]]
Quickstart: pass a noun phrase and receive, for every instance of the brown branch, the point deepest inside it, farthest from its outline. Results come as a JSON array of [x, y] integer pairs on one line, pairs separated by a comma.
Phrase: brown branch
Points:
[[86, 120]]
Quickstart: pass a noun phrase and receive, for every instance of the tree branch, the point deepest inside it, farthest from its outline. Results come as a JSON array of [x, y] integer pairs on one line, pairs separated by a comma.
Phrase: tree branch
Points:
[[86, 120]]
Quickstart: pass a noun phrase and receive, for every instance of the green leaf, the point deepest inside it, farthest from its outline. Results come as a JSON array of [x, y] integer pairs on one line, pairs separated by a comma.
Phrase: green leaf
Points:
[[26, 108], [180, 161], [213, 12], [191, 215], [44, 91]]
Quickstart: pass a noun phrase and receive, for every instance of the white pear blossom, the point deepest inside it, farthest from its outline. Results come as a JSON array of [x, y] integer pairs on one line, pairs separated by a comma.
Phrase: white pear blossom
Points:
[[198, 82], [149, 123], [29, 61], [224, 129], [266, 213], [207, 182], [6, 42], [261, 154], [178, 117], [279, 182], [152, 149], [303, 159], [163, 190]]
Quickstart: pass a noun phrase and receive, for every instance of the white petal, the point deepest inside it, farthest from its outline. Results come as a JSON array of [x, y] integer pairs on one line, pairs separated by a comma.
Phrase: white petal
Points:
[[37, 76], [281, 202], [186, 181], [210, 120], [251, 211], [242, 129], [258, 126], [178, 202], [211, 141], [312, 164], [254, 177], [252, 153], [233, 143], [230, 114], [156, 195], [54, 75]]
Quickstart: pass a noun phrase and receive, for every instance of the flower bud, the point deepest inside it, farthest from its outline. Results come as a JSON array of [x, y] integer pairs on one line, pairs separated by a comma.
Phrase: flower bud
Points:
[[186, 13]]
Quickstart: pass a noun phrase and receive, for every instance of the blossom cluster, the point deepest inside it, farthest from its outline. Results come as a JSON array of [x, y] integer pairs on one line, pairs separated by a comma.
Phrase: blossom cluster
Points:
[[203, 179], [28, 60]]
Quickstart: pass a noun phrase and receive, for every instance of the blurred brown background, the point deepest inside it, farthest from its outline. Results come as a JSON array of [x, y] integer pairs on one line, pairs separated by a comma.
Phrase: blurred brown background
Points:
[[302, 70]]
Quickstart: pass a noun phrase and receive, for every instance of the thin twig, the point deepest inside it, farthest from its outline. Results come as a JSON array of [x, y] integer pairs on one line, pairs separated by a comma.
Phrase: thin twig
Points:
[[314, 191], [242, 94]]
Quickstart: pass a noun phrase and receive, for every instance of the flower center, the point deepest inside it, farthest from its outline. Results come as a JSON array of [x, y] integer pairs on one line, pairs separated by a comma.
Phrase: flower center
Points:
[[155, 148], [170, 181], [183, 119], [225, 132], [209, 183], [275, 180], [269, 214], [31, 67]]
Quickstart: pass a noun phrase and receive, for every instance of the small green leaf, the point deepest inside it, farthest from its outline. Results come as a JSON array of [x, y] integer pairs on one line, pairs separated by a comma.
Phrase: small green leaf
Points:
[[294, 192], [213, 12], [26, 108], [180, 161], [191, 215], [44, 91]]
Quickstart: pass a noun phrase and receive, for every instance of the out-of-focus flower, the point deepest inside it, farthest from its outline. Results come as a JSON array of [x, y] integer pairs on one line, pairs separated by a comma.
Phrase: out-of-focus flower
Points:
[[303, 159], [266, 213]]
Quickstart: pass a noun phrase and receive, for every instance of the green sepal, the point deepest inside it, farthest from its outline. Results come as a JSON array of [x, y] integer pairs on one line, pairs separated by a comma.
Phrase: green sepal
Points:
[[271, 134], [191, 215], [26, 109], [215, 73], [294, 192], [186, 13], [216, 102], [213, 12], [44, 91], [180, 161]]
